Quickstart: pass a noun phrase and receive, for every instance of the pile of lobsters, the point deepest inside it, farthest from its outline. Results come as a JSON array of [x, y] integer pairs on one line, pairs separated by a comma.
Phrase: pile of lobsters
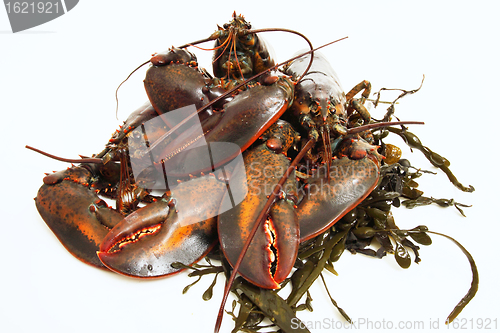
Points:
[[270, 168]]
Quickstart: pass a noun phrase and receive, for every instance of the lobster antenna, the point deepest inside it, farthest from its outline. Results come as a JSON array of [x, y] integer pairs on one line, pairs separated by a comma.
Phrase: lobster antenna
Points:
[[262, 73], [255, 31], [215, 36], [225, 48], [296, 33], [201, 48], [67, 160], [116, 92], [235, 56], [173, 129], [181, 47], [212, 37]]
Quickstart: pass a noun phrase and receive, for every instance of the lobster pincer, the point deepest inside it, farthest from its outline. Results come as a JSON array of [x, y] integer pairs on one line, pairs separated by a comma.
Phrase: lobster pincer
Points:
[[274, 247], [179, 227]]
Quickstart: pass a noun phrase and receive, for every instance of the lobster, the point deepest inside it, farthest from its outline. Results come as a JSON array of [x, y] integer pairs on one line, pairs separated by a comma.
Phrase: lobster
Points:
[[220, 150]]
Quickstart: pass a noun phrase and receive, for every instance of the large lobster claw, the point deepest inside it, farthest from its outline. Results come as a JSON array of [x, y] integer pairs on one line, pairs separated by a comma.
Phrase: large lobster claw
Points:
[[352, 176], [243, 121], [240, 121], [74, 212], [180, 227], [272, 252]]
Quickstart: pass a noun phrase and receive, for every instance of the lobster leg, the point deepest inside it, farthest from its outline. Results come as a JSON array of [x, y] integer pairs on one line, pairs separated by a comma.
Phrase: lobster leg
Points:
[[364, 86], [358, 104], [74, 212], [144, 113]]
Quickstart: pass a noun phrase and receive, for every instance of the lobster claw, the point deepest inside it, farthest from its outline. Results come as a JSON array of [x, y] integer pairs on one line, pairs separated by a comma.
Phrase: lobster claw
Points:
[[352, 178], [180, 227], [243, 121], [240, 122], [272, 252], [74, 212]]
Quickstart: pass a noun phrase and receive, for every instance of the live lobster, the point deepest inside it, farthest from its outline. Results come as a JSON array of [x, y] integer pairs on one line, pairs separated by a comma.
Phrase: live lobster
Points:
[[220, 148]]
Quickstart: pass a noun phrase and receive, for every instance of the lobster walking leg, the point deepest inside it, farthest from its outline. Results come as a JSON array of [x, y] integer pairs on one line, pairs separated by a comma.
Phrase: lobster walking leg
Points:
[[358, 104], [364, 86]]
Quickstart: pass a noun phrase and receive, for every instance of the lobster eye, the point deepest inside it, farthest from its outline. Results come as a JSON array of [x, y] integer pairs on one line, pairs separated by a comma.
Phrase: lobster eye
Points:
[[225, 26]]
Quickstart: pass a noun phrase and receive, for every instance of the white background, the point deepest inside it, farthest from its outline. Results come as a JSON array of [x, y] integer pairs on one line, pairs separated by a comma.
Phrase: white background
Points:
[[57, 84]]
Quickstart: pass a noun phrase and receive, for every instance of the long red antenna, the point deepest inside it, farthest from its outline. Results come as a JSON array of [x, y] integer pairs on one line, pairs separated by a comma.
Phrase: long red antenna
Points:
[[67, 160], [183, 122]]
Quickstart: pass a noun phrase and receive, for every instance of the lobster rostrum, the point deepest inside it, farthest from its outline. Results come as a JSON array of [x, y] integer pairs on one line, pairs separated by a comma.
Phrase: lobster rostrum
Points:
[[217, 148]]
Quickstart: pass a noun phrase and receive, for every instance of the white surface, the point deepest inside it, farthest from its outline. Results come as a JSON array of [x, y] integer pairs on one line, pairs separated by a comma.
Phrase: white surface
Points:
[[57, 94]]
